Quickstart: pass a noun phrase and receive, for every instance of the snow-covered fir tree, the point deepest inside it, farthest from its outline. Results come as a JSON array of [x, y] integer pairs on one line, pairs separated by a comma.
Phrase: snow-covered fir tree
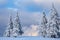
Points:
[[9, 30], [53, 25], [43, 26], [17, 30]]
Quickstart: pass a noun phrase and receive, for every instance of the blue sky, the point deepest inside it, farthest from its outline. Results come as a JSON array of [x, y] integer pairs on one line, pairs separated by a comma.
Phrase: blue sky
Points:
[[7, 3], [29, 5]]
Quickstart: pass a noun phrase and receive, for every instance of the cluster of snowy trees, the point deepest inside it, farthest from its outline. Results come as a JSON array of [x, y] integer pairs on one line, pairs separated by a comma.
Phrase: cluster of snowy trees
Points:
[[50, 28], [14, 29], [47, 28]]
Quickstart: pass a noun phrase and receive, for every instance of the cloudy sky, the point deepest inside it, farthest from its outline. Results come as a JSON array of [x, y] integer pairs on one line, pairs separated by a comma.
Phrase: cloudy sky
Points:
[[30, 12]]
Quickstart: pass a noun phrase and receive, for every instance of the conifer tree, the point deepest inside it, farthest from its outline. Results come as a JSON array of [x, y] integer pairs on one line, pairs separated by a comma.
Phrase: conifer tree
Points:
[[43, 25], [17, 27], [9, 30], [53, 26]]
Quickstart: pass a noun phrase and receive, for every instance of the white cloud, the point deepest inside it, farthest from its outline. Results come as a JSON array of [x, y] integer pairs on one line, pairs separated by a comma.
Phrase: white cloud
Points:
[[31, 31], [44, 3], [30, 18]]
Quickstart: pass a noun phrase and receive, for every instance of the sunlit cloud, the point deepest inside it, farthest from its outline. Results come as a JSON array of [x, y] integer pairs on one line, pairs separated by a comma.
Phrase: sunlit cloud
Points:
[[31, 31]]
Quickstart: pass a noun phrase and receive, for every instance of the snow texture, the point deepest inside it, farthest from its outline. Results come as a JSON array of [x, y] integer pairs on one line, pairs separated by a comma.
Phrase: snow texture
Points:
[[28, 38]]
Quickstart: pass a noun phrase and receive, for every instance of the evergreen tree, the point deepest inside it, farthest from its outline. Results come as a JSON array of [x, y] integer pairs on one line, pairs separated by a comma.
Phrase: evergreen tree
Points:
[[53, 25], [17, 27], [9, 30], [43, 25]]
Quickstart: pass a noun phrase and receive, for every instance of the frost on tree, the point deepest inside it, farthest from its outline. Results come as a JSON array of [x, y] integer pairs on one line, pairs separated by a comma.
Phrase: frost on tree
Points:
[[17, 31], [9, 30], [43, 26], [53, 25]]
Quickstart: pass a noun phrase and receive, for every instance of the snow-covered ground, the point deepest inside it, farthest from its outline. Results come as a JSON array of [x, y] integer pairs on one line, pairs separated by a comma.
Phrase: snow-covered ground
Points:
[[28, 38]]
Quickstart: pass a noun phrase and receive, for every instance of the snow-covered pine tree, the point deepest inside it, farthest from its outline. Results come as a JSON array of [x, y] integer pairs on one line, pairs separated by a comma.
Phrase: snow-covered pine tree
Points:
[[9, 30], [17, 30], [43, 26], [53, 25]]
